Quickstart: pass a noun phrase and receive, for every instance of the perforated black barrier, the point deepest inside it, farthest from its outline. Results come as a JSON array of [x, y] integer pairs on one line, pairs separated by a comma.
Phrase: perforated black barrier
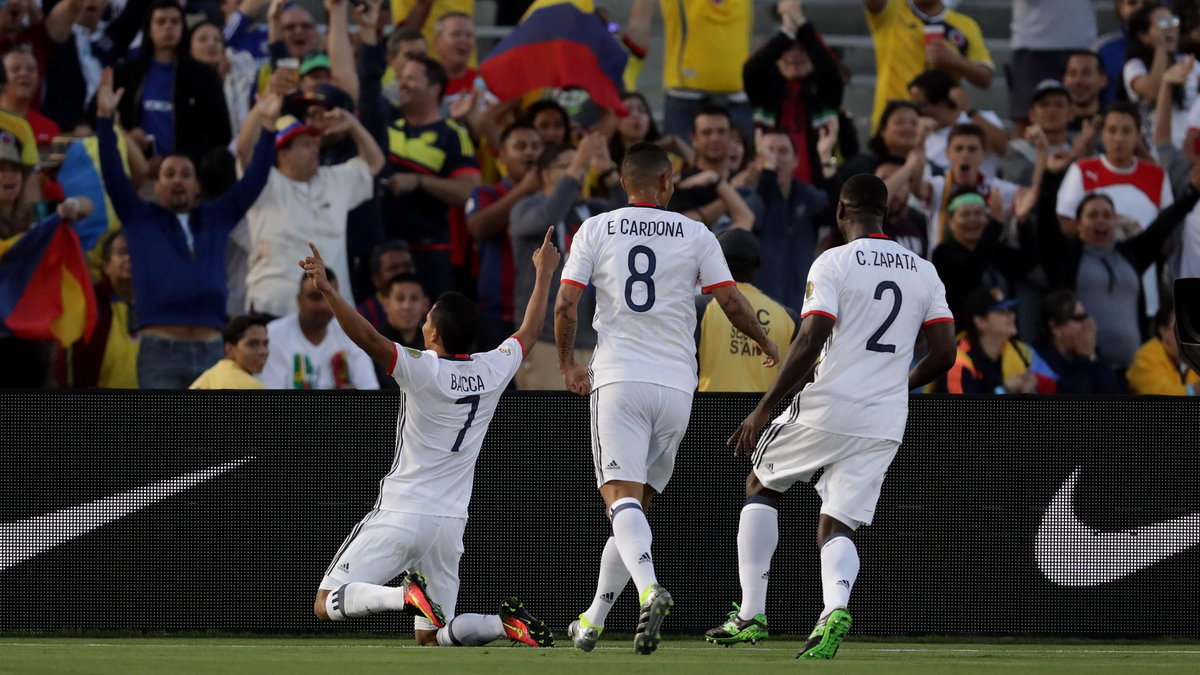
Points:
[[221, 511]]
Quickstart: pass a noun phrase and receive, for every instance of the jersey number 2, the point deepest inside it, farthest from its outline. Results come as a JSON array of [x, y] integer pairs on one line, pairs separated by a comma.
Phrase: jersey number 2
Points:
[[873, 344], [473, 401], [644, 277]]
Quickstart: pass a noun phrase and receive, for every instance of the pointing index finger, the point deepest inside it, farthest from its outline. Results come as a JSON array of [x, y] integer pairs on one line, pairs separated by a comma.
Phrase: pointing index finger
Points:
[[549, 232], [316, 253]]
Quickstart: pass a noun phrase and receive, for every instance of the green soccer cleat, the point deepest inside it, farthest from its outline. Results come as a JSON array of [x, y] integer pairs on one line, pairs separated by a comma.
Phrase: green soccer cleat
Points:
[[650, 619], [521, 626], [827, 636], [584, 634], [737, 629]]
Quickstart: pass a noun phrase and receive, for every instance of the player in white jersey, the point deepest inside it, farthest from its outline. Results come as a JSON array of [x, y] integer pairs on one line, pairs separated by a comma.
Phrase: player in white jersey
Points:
[[644, 263], [865, 304], [449, 397]]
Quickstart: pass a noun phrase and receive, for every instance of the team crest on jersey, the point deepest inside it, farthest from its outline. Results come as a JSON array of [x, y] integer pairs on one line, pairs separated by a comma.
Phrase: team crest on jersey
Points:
[[412, 352], [505, 350], [808, 290]]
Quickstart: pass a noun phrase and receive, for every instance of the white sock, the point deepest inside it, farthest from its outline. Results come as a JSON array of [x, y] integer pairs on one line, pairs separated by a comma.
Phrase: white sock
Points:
[[632, 533], [839, 568], [613, 578], [470, 630], [356, 600], [758, 534]]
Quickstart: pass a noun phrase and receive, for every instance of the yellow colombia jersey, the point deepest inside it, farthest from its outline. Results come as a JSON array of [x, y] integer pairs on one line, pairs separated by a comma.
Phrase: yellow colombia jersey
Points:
[[899, 34], [707, 41], [226, 375], [118, 369], [401, 8], [729, 361]]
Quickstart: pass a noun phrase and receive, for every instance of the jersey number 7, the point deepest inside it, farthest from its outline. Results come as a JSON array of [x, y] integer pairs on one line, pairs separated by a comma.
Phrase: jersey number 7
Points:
[[473, 401]]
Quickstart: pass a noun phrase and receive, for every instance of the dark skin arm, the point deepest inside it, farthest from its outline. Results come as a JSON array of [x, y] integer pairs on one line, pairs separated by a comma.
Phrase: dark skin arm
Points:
[[942, 351], [815, 330]]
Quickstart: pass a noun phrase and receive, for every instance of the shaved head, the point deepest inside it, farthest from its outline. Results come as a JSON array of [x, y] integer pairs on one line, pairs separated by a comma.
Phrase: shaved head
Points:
[[865, 193], [644, 165]]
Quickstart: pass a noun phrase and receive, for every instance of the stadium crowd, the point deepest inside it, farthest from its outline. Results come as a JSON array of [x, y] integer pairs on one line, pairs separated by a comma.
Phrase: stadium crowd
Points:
[[227, 134]]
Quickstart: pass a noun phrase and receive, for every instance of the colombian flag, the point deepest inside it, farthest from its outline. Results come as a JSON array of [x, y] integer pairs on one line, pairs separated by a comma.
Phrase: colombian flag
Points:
[[80, 176], [45, 291], [559, 43]]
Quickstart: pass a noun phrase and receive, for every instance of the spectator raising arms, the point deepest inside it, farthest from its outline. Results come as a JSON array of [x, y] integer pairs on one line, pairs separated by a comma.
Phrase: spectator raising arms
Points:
[[177, 247]]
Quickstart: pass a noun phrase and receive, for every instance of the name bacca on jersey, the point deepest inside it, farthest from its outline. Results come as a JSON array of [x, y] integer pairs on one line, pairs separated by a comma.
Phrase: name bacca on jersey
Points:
[[880, 296]]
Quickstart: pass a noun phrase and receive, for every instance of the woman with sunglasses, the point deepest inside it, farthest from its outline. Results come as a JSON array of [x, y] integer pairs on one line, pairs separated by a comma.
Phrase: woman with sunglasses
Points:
[[1153, 47], [1068, 346]]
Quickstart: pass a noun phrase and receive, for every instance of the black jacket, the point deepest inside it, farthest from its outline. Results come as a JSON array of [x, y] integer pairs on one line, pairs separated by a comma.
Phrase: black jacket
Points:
[[201, 117]]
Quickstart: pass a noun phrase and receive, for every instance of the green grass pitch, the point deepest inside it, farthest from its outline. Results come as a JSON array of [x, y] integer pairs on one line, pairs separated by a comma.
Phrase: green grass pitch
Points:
[[299, 656]]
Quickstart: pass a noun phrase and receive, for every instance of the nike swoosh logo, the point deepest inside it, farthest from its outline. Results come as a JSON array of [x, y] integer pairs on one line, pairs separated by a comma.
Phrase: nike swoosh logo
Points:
[[27, 538], [1070, 553]]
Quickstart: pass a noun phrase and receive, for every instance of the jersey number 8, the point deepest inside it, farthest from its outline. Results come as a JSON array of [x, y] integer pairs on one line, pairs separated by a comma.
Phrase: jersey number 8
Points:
[[644, 277]]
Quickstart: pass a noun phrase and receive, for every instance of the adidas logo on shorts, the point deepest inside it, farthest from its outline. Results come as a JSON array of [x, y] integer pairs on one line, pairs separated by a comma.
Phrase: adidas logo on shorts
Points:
[[645, 558], [345, 567], [612, 466], [771, 467]]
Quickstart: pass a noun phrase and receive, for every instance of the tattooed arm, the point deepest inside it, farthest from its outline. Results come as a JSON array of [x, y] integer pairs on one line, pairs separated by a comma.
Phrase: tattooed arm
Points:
[[739, 312], [566, 321]]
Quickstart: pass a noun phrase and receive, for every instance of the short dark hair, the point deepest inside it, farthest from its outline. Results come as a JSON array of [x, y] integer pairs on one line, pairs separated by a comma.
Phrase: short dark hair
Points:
[[876, 144], [967, 130], [644, 163], [713, 109], [1089, 197], [452, 15], [1088, 54], [236, 328], [1123, 108], [550, 155], [519, 124], [456, 319], [1058, 307], [380, 250], [328, 275], [936, 86], [406, 34], [776, 131], [544, 104], [403, 278], [434, 72], [865, 192]]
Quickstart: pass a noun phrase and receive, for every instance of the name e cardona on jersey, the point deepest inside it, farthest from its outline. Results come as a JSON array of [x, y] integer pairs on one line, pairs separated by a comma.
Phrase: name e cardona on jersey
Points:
[[645, 228]]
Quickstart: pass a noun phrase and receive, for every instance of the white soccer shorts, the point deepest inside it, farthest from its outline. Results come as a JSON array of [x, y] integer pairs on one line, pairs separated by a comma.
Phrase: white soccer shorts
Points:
[[855, 467], [636, 429], [386, 543]]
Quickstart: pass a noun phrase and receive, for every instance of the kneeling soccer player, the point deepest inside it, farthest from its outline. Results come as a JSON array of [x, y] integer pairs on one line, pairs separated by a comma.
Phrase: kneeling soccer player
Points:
[[449, 397], [864, 306]]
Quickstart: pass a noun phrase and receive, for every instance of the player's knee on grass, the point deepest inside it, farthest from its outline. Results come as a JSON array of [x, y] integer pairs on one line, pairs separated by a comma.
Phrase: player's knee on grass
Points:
[[427, 638], [319, 605]]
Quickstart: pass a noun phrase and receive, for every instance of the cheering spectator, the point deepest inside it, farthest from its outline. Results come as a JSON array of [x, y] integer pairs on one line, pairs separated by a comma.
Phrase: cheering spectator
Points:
[[1085, 81], [975, 253], [1044, 35], [1069, 347], [1137, 189], [1106, 273], [1158, 367], [454, 43], [914, 35], [707, 42], [965, 155], [728, 359], [22, 26], [18, 89], [899, 132], [559, 204], [1153, 47], [291, 31], [401, 44], [488, 212], [241, 32], [406, 304], [1112, 48], [552, 122], [990, 358], [941, 100], [793, 82], [387, 260], [174, 104], [639, 127], [309, 350], [178, 248], [108, 358], [433, 169], [19, 189], [237, 69], [701, 192], [792, 213], [1050, 114], [303, 202], [244, 342]]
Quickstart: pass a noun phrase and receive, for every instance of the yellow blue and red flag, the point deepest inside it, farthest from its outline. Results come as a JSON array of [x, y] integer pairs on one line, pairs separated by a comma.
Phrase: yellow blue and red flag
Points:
[[559, 43], [45, 291]]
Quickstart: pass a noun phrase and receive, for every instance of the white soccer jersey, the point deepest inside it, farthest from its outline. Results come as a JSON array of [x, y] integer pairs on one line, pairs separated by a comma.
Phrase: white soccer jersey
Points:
[[644, 262], [880, 295], [447, 407]]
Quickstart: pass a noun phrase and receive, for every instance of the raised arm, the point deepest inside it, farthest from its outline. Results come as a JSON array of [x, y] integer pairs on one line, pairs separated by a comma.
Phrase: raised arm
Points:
[[545, 262], [1143, 249], [239, 198], [60, 19], [360, 331], [341, 52], [741, 314], [815, 330], [372, 57], [120, 189], [368, 149]]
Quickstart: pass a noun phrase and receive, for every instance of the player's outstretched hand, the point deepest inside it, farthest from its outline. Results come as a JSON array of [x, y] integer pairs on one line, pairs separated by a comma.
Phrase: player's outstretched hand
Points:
[[314, 267], [772, 353], [577, 379], [745, 438], [546, 257]]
